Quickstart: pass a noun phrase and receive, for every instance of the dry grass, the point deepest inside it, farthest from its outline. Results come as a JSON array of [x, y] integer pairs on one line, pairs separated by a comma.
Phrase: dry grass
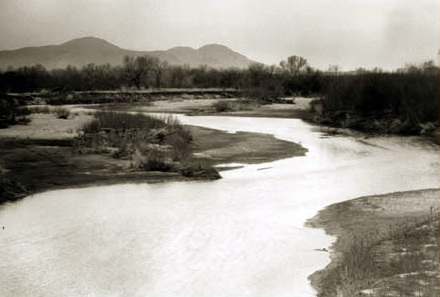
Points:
[[384, 248], [119, 120], [374, 262], [151, 143]]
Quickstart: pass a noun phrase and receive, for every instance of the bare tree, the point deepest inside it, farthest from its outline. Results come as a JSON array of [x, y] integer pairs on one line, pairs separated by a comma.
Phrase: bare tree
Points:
[[294, 65], [159, 67], [333, 69], [179, 76], [137, 69], [145, 63], [131, 72], [257, 73], [271, 69]]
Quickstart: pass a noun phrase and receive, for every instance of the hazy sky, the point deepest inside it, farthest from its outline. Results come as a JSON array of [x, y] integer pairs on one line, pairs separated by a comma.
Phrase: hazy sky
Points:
[[350, 33]]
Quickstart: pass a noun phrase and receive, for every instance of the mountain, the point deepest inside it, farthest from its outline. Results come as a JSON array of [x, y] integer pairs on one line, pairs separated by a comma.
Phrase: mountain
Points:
[[82, 51]]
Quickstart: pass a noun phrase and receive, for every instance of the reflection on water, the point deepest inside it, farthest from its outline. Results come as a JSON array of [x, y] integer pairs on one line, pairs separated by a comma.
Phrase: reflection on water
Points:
[[239, 236]]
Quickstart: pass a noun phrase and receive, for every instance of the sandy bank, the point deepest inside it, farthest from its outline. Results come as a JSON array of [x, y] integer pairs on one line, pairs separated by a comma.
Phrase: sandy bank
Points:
[[387, 245]]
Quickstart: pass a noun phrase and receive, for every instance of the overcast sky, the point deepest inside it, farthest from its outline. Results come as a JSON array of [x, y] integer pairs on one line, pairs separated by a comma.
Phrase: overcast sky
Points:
[[350, 33]]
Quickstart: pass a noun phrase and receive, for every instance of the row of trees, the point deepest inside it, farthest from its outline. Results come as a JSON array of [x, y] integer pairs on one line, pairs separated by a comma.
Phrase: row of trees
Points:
[[412, 96], [411, 91], [138, 70], [291, 76]]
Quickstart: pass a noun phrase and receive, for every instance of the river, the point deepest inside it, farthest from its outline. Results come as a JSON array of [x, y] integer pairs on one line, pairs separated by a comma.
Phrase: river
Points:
[[243, 235]]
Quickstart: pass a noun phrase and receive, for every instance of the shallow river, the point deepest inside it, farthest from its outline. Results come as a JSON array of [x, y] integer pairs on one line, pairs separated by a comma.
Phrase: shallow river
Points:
[[243, 235]]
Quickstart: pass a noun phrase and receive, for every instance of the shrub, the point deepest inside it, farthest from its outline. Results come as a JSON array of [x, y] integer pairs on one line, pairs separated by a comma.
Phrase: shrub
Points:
[[61, 113], [179, 138], [199, 169], [236, 105], [246, 104], [12, 113], [221, 106], [120, 120], [155, 161], [266, 94], [150, 142]]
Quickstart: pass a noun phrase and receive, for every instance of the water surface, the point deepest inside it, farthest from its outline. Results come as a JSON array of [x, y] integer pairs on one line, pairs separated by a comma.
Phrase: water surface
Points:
[[243, 235]]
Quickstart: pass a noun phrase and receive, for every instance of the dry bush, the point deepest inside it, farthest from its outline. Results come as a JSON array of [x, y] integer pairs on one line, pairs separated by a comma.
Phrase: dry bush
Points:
[[12, 113], [151, 143], [61, 113], [222, 106], [236, 105]]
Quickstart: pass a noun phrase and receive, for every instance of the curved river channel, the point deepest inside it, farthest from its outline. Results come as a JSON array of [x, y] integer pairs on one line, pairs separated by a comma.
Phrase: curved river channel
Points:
[[243, 235]]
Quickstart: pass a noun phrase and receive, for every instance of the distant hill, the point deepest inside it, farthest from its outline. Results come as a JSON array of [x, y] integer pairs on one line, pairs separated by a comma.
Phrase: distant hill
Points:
[[82, 51]]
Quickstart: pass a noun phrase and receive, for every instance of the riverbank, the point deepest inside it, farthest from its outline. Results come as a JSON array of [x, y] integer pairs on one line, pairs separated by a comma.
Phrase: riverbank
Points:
[[388, 125], [308, 109], [119, 96], [41, 156], [387, 245], [293, 108], [250, 223]]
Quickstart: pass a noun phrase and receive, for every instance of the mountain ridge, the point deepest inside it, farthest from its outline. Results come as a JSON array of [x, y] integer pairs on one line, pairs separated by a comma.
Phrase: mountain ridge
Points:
[[85, 50]]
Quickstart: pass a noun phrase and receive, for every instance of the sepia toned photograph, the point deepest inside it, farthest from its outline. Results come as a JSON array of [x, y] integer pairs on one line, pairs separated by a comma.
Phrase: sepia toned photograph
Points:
[[219, 148]]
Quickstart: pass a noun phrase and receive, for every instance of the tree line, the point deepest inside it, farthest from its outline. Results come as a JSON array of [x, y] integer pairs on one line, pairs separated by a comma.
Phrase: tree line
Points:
[[291, 76], [411, 96], [410, 92]]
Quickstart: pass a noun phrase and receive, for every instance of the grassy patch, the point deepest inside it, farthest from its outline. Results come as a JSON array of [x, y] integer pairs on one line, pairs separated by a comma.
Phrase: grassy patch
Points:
[[119, 120], [150, 143], [390, 264]]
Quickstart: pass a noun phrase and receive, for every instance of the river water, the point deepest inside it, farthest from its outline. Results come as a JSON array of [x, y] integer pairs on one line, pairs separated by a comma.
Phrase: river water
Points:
[[243, 235]]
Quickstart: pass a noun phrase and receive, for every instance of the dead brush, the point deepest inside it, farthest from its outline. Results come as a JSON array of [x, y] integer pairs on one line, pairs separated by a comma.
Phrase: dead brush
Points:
[[61, 113]]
